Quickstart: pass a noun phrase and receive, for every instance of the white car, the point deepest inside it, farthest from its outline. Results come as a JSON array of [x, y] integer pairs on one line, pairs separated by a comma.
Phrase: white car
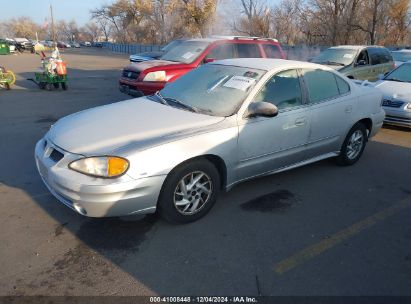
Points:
[[401, 56], [214, 127], [396, 88]]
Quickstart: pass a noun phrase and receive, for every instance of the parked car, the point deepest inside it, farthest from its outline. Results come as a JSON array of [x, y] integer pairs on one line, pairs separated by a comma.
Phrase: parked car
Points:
[[146, 56], [87, 43], [76, 45], [23, 44], [396, 88], [68, 45], [357, 62], [61, 45], [401, 56], [214, 127], [148, 77], [97, 44]]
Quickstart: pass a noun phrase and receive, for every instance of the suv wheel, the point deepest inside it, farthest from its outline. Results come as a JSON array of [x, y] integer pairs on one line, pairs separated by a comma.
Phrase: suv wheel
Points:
[[189, 192], [353, 146]]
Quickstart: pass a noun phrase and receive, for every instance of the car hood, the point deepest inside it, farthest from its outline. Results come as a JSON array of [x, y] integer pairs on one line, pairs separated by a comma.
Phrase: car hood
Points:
[[148, 55], [394, 89], [107, 128], [141, 66]]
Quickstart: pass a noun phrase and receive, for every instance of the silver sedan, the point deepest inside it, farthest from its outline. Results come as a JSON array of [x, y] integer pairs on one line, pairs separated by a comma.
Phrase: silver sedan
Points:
[[396, 88], [219, 125]]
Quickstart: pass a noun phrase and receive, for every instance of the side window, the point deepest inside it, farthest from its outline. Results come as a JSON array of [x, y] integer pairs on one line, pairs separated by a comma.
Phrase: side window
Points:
[[272, 51], [343, 86], [386, 56], [321, 85], [246, 50], [377, 56], [222, 51], [282, 90], [363, 56]]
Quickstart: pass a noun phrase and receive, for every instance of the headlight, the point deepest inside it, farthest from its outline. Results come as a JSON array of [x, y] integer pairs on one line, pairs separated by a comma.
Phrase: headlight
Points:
[[155, 76], [408, 107], [101, 166]]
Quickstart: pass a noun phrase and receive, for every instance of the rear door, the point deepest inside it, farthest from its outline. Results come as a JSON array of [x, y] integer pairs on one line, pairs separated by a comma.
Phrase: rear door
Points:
[[331, 111], [381, 62]]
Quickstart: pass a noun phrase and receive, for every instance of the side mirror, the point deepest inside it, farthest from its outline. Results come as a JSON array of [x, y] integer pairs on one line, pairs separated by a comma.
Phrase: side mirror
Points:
[[208, 60], [361, 63], [261, 109]]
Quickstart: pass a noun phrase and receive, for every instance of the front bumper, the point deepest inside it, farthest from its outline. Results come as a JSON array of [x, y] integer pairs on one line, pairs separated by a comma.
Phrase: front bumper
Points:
[[399, 117], [95, 197], [145, 87]]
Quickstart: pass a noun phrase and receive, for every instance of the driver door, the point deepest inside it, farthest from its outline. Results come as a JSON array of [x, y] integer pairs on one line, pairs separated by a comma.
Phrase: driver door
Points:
[[267, 144]]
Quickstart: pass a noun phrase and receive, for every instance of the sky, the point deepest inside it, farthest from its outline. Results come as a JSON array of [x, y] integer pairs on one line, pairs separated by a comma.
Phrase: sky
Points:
[[68, 10]]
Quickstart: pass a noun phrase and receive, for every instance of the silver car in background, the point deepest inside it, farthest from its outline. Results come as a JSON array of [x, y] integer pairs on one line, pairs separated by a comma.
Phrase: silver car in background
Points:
[[396, 88], [216, 126]]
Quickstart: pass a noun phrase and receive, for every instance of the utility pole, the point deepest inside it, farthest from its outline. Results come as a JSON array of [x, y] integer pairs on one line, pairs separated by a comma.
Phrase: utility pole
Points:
[[53, 32]]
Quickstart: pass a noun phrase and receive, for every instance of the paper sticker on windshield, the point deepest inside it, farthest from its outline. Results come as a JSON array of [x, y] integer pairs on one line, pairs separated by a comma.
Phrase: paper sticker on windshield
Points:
[[348, 56], [188, 55], [240, 83]]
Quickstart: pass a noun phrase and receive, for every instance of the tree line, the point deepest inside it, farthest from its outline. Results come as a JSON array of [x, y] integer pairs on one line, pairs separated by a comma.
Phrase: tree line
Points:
[[293, 22]]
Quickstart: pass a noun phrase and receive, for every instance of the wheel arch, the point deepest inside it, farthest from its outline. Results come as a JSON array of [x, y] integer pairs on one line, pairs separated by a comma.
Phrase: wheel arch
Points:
[[216, 160], [367, 122]]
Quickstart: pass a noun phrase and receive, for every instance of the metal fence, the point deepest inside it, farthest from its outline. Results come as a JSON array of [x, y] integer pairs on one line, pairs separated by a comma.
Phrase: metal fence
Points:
[[301, 52], [131, 48]]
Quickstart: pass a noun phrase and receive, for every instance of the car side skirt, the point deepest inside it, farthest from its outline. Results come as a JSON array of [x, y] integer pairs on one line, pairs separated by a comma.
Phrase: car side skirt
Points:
[[286, 168]]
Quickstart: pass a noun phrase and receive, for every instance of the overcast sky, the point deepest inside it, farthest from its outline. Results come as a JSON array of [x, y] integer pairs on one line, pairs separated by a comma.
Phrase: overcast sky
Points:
[[38, 10]]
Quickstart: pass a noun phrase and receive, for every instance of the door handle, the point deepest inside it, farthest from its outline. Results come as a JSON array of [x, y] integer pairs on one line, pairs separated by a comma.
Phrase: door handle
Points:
[[348, 109], [300, 121]]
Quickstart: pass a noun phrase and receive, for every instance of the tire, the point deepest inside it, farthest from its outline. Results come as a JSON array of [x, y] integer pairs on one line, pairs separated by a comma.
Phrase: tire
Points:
[[197, 201], [42, 85], [64, 86], [56, 85], [353, 146], [49, 86]]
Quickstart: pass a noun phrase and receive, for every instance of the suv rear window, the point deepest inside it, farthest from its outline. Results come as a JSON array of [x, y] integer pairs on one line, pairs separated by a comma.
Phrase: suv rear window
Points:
[[248, 51], [272, 51]]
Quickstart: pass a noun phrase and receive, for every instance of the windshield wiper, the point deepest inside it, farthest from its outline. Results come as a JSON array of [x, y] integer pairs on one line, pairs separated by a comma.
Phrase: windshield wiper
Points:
[[332, 63], [186, 106], [395, 79], [161, 98]]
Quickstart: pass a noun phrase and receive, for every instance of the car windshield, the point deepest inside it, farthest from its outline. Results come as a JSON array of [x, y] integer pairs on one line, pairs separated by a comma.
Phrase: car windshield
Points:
[[213, 89], [401, 56], [401, 74], [171, 45], [186, 51], [341, 57]]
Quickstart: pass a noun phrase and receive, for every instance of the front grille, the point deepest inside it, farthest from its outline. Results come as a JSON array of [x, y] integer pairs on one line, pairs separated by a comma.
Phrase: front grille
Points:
[[392, 103], [56, 156], [130, 74]]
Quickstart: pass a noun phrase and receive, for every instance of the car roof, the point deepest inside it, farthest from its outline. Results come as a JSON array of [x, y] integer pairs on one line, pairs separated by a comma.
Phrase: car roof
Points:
[[237, 38], [268, 64], [355, 47], [401, 51]]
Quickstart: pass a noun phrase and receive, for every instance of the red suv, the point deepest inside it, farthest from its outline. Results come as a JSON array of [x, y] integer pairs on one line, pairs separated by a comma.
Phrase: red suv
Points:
[[148, 77]]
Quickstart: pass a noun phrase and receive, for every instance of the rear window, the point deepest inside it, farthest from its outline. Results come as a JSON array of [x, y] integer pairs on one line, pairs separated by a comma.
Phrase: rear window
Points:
[[248, 51], [379, 56], [272, 51]]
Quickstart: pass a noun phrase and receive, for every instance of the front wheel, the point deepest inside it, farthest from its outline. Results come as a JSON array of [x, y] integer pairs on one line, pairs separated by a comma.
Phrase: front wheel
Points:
[[189, 192], [353, 146]]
